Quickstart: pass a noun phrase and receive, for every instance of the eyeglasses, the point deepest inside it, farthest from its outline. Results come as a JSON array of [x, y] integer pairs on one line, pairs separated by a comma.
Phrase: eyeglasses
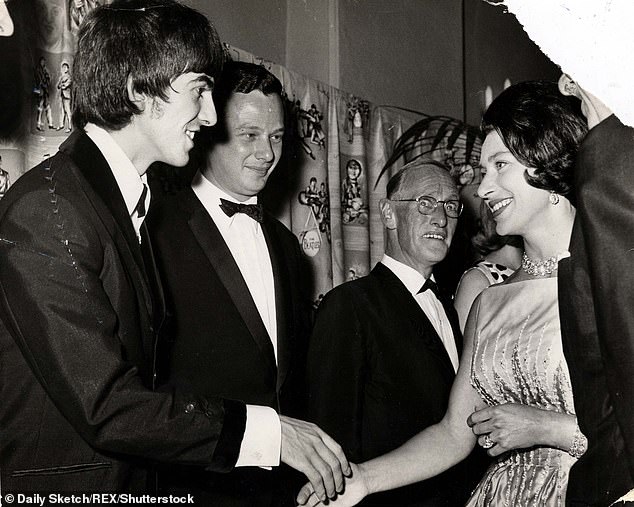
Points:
[[427, 205]]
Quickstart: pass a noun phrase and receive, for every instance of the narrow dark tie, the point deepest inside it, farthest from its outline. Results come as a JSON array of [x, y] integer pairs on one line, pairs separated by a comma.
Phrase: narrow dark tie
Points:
[[432, 286], [140, 207], [231, 208]]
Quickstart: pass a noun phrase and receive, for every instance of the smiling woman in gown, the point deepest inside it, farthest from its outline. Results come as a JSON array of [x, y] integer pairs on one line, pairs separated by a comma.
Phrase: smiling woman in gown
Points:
[[512, 394]]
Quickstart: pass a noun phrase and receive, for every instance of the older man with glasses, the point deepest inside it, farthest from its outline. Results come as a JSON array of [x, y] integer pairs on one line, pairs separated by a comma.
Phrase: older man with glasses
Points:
[[385, 347]]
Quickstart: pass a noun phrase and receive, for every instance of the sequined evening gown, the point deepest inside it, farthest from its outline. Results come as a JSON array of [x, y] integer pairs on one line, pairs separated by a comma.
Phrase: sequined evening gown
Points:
[[518, 358]]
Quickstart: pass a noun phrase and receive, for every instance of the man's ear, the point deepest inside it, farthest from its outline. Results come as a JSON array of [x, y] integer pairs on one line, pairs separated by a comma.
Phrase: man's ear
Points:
[[139, 99], [567, 86], [387, 214]]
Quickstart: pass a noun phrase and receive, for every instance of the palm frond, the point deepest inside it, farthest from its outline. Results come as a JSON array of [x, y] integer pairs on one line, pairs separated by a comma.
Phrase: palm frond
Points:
[[433, 134], [440, 134]]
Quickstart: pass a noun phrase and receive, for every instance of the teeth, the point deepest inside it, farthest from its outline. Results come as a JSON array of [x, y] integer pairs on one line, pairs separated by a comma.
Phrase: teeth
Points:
[[190, 134], [501, 204], [434, 236]]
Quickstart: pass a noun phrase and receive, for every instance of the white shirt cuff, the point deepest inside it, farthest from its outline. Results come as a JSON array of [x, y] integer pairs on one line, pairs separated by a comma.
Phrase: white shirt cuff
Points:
[[262, 441]]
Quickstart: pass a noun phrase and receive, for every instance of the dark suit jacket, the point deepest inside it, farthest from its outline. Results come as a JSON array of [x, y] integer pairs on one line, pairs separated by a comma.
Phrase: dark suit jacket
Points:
[[220, 346], [77, 342], [378, 374], [596, 290]]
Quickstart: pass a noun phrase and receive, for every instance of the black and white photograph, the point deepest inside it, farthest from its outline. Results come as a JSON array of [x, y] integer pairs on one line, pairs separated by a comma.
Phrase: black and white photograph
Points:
[[299, 253]]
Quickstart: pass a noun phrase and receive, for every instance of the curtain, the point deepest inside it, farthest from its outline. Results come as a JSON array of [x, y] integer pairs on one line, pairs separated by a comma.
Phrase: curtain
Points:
[[326, 189], [327, 182], [35, 84]]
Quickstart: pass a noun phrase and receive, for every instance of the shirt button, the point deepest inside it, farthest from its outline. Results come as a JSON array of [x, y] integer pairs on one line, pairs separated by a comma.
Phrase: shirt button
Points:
[[189, 408]]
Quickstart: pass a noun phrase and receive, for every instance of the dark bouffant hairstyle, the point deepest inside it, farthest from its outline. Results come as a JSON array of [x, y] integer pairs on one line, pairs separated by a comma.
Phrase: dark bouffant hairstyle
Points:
[[542, 129], [152, 41]]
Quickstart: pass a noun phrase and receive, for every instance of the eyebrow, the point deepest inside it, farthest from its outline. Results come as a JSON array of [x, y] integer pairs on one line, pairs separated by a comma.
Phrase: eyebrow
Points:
[[452, 197], [248, 125], [497, 153]]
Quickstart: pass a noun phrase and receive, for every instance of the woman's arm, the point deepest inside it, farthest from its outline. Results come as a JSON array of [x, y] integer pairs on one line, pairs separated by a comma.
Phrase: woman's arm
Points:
[[427, 454], [471, 284]]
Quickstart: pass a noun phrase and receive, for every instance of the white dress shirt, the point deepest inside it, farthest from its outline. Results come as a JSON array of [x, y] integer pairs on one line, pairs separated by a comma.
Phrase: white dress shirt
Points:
[[428, 302], [129, 181], [245, 240], [261, 443]]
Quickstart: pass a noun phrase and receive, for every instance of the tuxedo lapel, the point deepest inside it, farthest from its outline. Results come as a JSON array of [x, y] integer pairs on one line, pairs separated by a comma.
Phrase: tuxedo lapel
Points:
[[281, 279], [154, 279], [217, 252], [102, 191], [407, 307], [452, 316], [96, 171]]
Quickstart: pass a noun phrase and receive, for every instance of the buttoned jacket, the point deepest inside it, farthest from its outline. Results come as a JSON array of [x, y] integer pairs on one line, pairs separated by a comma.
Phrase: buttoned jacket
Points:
[[78, 342]]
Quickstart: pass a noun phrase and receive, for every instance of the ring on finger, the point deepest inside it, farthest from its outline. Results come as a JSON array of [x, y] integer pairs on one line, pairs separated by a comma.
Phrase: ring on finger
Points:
[[488, 442]]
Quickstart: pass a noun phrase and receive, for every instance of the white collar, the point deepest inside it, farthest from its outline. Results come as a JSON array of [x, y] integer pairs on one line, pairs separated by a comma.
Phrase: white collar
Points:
[[128, 180], [411, 278]]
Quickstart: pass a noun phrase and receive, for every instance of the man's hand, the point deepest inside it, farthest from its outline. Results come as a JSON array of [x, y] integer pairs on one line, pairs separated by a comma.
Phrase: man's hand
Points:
[[306, 448]]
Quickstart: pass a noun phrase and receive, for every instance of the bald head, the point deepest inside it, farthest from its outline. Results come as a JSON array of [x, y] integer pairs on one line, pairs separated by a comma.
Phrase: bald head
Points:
[[419, 239], [429, 173]]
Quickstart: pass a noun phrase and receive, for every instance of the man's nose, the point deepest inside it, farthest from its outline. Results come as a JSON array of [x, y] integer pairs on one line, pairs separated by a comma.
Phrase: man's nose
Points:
[[207, 114], [439, 215], [264, 150]]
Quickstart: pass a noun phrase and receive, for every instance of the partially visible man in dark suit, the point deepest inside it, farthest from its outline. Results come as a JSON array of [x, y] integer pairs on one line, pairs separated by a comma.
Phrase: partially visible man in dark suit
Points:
[[233, 287], [596, 292], [79, 320], [384, 350]]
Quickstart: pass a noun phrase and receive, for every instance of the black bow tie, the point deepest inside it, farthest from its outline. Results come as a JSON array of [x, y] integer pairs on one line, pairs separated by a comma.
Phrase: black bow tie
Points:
[[430, 285], [231, 208]]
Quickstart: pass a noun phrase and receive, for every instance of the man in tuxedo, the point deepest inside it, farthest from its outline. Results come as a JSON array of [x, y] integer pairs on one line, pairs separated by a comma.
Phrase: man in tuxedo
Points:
[[233, 286], [79, 317], [384, 350], [596, 300]]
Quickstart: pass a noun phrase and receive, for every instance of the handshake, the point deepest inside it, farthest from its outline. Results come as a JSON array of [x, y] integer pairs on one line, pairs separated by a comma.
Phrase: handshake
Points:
[[308, 449]]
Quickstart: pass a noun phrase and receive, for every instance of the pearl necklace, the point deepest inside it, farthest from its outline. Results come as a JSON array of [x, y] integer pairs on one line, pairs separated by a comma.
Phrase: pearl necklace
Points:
[[540, 268]]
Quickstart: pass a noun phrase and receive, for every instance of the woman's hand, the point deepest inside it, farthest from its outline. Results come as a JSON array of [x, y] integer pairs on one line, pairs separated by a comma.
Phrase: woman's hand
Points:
[[355, 490], [515, 426]]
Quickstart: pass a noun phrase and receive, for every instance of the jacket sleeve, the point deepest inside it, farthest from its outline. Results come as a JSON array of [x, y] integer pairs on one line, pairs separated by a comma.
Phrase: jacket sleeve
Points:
[[605, 210], [336, 371], [63, 307]]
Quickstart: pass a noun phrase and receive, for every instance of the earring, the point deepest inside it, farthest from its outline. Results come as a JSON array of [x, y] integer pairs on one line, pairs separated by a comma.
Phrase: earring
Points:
[[553, 198]]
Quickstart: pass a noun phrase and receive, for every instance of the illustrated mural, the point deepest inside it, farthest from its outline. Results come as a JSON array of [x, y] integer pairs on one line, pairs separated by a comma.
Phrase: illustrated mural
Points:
[[337, 142]]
